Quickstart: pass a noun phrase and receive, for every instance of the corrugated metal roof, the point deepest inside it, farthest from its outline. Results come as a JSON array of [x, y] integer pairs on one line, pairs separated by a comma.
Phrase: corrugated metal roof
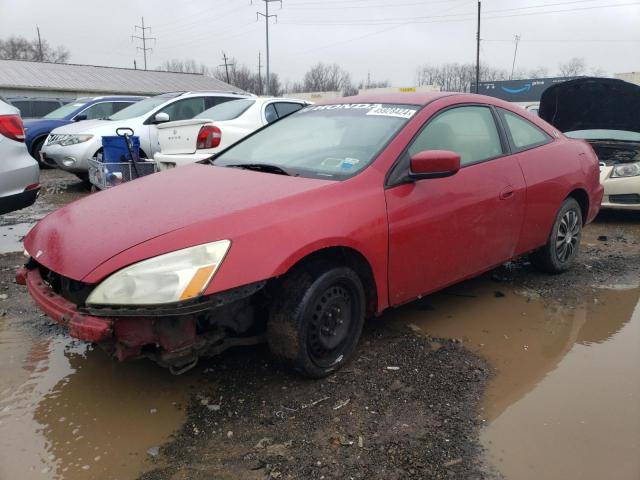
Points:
[[77, 78]]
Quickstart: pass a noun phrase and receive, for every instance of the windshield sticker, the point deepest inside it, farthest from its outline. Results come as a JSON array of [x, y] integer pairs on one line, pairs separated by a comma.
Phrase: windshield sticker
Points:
[[386, 111]]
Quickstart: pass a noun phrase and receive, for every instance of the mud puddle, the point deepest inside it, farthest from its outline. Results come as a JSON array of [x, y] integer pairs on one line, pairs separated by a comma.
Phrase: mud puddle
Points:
[[68, 411], [565, 400]]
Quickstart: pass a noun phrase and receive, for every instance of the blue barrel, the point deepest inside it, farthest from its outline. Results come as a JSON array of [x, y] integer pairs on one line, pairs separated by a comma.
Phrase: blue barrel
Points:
[[115, 149]]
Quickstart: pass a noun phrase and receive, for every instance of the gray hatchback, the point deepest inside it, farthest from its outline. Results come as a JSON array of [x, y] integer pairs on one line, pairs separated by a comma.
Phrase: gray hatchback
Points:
[[19, 173]]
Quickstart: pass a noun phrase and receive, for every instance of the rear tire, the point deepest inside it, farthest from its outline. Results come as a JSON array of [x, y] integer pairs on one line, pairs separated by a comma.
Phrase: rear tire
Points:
[[562, 245], [316, 320]]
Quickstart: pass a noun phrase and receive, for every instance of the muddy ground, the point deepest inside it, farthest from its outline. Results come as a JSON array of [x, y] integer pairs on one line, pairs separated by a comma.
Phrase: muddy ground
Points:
[[413, 404]]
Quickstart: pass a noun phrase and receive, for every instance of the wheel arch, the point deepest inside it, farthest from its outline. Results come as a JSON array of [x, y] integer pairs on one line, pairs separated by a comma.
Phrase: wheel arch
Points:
[[581, 196], [347, 256], [35, 140]]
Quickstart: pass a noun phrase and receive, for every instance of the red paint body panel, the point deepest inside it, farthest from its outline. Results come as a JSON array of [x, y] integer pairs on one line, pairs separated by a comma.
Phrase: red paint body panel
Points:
[[84, 327], [417, 237]]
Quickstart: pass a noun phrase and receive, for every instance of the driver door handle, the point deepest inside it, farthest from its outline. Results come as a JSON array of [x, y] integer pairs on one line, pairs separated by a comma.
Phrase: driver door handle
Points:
[[507, 193]]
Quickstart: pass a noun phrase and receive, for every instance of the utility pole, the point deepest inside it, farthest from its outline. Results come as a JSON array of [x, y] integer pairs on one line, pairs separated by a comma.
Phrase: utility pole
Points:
[[266, 18], [226, 66], [41, 56], [259, 73], [144, 39], [515, 52], [478, 49]]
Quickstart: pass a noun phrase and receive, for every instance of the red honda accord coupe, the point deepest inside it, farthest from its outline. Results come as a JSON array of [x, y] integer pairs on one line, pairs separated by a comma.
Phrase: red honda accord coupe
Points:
[[299, 232]]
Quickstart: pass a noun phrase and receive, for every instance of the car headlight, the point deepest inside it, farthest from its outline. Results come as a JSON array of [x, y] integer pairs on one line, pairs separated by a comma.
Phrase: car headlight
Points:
[[167, 278], [626, 170], [67, 140]]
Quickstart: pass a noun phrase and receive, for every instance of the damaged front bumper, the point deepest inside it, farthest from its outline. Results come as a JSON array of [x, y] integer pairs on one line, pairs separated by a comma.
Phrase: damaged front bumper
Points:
[[173, 336]]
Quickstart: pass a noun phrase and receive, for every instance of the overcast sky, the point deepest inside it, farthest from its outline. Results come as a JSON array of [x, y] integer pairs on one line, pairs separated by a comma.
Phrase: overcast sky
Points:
[[389, 39]]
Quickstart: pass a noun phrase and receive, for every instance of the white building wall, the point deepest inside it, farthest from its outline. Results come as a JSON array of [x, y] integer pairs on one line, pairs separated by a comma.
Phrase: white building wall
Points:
[[631, 77]]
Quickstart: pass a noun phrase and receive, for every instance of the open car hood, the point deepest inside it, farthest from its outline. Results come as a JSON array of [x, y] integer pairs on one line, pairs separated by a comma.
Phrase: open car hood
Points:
[[592, 104]]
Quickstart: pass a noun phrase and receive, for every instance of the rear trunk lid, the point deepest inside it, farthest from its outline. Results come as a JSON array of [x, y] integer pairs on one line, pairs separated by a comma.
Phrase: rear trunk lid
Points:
[[180, 137]]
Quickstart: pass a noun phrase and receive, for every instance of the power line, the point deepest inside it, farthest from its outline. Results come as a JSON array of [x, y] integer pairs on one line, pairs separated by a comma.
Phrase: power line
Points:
[[144, 39], [469, 16], [266, 21]]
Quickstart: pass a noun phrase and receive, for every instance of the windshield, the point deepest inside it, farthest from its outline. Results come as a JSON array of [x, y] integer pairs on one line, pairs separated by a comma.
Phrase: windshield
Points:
[[226, 110], [322, 141], [145, 106], [63, 111], [605, 135]]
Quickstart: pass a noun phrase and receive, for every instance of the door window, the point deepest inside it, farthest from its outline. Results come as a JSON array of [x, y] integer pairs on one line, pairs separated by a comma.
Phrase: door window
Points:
[[184, 109], [524, 134], [469, 131], [285, 108], [270, 114], [98, 111], [213, 101]]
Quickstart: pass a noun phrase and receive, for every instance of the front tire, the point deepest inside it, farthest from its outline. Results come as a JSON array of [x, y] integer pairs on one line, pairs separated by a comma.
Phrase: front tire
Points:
[[562, 245], [35, 153], [316, 320]]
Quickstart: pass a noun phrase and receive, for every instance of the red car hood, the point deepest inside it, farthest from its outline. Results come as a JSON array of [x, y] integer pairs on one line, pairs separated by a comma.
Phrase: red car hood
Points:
[[76, 239]]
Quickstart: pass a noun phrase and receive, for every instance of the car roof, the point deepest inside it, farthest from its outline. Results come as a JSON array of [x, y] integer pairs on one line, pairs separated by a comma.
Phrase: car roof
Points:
[[418, 98]]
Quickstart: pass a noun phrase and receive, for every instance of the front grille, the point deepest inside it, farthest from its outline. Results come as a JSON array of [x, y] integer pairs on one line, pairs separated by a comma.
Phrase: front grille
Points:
[[72, 290], [626, 199]]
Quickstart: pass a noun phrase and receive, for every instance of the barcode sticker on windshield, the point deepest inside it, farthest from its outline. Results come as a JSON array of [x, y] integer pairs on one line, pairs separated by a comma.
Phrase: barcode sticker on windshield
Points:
[[392, 111]]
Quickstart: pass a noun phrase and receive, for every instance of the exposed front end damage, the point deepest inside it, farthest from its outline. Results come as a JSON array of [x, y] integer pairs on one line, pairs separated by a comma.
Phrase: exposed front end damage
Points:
[[174, 336]]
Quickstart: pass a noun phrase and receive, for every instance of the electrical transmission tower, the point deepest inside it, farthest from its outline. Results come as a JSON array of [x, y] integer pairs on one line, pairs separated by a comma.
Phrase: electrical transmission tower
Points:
[[266, 18], [144, 39]]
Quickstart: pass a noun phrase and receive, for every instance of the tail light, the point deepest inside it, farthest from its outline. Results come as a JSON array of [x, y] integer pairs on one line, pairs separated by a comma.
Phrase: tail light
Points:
[[11, 127], [209, 136]]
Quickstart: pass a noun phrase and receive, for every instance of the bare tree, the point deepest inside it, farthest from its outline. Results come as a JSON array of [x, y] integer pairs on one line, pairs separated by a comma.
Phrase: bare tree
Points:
[[324, 78], [456, 77], [187, 65], [574, 67], [242, 77], [19, 48]]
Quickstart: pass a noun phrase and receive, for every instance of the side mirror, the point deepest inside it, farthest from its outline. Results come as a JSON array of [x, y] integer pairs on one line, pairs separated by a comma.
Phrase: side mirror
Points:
[[161, 117], [79, 118], [434, 164]]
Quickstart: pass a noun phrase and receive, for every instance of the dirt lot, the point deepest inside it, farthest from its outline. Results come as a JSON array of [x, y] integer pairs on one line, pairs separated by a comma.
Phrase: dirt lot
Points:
[[514, 374]]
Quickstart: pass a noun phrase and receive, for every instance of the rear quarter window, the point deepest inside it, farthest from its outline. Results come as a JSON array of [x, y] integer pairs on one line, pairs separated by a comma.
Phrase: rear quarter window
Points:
[[522, 133]]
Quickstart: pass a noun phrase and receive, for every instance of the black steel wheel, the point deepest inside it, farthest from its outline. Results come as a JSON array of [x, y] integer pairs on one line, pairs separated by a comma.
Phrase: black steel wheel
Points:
[[316, 321]]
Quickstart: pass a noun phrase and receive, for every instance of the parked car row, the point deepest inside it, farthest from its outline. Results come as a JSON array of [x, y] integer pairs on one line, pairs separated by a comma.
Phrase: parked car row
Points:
[[86, 108]]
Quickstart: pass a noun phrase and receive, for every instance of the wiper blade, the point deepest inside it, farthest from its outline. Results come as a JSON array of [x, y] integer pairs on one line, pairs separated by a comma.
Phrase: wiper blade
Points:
[[261, 167]]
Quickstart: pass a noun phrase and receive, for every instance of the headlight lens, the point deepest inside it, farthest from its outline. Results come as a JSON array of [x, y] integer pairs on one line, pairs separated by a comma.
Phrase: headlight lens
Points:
[[626, 170], [74, 139], [168, 278]]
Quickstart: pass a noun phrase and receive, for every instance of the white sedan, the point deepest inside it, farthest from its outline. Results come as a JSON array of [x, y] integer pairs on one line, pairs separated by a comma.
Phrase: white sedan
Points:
[[189, 141]]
